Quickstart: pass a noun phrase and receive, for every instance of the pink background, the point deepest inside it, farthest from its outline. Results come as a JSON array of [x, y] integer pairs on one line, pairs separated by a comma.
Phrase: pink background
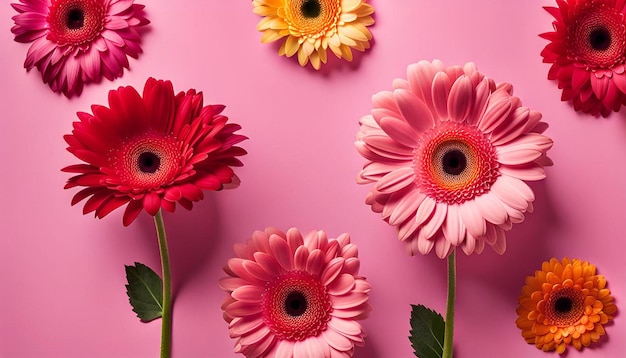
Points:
[[62, 274]]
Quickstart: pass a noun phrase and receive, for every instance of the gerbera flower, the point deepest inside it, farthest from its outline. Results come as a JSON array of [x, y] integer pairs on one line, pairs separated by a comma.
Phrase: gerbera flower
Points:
[[151, 152], [294, 296], [313, 26], [565, 303], [449, 152], [78, 41], [587, 51]]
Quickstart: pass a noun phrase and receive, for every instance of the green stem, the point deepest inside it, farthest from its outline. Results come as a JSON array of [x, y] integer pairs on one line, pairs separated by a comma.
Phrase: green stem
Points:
[[166, 323], [449, 328]]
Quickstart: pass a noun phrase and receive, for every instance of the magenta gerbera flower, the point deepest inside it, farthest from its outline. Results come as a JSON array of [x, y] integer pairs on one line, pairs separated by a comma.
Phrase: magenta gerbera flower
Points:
[[449, 151], [587, 51], [78, 41], [151, 152], [294, 296]]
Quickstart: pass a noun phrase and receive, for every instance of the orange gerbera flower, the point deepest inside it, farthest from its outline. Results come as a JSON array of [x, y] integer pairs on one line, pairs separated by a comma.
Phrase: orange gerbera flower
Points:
[[313, 26], [564, 303]]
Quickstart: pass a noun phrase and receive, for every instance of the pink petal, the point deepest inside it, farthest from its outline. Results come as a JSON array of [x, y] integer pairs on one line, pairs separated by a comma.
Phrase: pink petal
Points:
[[332, 270], [239, 308], [453, 228], [349, 300], [284, 349], [396, 180], [232, 283], [307, 348], [461, 99], [315, 262], [425, 210], [248, 293], [407, 206], [346, 327], [440, 91], [242, 325], [268, 263], [442, 247], [337, 340], [282, 253], [434, 224], [524, 172], [491, 209], [400, 131], [469, 245], [342, 285], [294, 239], [500, 244], [508, 195], [473, 220], [483, 91], [496, 113], [414, 111], [420, 76], [300, 258]]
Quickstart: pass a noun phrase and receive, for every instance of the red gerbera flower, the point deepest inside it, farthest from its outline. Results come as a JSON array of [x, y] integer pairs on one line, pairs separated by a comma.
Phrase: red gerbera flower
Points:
[[78, 41], [151, 152], [588, 52]]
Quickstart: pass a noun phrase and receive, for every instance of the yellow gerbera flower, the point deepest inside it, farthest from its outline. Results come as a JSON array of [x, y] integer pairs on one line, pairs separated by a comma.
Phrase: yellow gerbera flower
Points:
[[313, 26], [564, 303]]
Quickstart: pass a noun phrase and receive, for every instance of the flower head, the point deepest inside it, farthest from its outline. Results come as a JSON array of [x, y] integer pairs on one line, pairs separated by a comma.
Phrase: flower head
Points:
[[564, 303], [313, 26], [78, 41], [587, 51], [449, 151], [153, 151], [295, 296]]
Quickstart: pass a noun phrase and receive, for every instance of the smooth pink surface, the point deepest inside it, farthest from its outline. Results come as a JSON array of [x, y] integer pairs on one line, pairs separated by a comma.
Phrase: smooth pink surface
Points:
[[62, 284]]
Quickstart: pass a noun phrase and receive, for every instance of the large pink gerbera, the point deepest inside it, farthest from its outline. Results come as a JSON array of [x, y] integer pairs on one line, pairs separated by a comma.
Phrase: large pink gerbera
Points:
[[294, 296], [78, 41], [151, 152], [449, 152], [587, 51]]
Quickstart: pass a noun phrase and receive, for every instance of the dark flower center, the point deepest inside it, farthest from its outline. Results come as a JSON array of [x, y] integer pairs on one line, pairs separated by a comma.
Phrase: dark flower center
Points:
[[563, 304], [75, 18], [564, 307], [148, 162], [600, 39], [76, 22], [311, 8], [295, 304], [454, 162]]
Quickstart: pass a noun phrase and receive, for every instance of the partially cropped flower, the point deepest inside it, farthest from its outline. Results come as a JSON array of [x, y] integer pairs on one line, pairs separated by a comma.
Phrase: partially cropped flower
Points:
[[448, 152], [295, 296], [564, 303], [151, 152], [78, 41], [311, 27], [587, 51]]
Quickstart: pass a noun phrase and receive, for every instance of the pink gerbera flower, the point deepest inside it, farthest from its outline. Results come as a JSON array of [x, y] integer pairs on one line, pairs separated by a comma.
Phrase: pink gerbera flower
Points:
[[294, 296], [78, 41], [151, 152], [587, 51], [449, 152]]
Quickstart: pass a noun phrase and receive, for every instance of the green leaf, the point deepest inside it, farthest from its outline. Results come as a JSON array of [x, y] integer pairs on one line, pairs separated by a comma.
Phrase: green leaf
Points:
[[145, 292], [427, 332]]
